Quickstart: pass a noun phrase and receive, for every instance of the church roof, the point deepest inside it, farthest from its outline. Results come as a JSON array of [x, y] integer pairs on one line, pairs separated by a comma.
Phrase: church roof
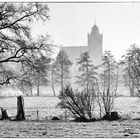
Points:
[[74, 51], [74, 47]]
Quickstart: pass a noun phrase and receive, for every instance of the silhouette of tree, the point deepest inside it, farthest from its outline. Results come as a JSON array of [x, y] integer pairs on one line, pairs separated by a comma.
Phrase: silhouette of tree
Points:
[[80, 104], [41, 72], [62, 69], [16, 44], [108, 82], [53, 73], [87, 70], [131, 69]]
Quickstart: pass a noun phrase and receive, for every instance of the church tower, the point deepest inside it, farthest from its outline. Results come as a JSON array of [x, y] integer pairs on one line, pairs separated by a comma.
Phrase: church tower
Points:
[[95, 45]]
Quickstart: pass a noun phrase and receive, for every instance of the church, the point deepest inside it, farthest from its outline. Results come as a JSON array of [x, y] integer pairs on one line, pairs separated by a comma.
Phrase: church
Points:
[[94, 47]]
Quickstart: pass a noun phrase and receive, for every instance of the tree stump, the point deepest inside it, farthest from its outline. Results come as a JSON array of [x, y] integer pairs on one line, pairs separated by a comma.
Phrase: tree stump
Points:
[[55, 118], [81, 119], [114, 115], [20, 109], [107, 117], [4, 115]]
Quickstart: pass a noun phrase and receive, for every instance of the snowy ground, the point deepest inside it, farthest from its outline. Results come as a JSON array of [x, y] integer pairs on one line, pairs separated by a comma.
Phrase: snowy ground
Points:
[[127, 107], [128, 128]]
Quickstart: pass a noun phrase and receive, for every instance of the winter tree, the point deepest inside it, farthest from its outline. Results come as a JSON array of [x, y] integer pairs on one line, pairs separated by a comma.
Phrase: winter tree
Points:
[[25, 82], [31, 71], [62, 69], [87, 72], [41, 72], [131, 69], [53, 73], [16, 45], [108, 82], [87, 79]]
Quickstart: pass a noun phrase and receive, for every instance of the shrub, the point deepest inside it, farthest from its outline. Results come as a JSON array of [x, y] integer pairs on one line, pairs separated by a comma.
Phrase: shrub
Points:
[[112, 116], [80, 104], [55, 118]]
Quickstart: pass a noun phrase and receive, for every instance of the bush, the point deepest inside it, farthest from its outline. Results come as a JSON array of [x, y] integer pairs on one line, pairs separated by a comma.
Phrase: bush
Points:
[[113, 116], [82, 119], [55, 118], [80, 104]]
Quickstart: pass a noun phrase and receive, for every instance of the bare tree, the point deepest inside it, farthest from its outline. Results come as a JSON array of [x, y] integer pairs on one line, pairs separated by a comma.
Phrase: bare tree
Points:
[[108, 83], [53, 73], [62, 69], [16, 45], [41, 73], [131, 69], [80, 104], [25, 84], [87, 72]]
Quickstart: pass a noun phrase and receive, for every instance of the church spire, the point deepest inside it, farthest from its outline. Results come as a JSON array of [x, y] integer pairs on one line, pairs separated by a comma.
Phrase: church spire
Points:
[[95, 28], [94, 21]]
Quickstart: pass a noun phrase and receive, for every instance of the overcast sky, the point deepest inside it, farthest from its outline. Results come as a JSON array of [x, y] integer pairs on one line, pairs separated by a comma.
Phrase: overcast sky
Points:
[[70, 22]]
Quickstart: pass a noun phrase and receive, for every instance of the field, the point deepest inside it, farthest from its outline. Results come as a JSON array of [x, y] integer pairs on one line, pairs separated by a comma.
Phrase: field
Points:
[[127, 107], [129, 128]]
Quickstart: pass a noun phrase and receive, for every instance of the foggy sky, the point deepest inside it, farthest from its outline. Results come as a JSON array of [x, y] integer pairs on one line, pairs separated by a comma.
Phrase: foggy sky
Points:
[[70, 22]]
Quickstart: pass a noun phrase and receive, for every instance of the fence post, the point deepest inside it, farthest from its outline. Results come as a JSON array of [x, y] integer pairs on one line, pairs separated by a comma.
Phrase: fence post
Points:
[[37, 114], [66, 115]]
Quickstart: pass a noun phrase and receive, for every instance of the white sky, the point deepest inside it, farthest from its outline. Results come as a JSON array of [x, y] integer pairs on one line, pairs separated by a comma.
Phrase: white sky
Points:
[[70, 23]]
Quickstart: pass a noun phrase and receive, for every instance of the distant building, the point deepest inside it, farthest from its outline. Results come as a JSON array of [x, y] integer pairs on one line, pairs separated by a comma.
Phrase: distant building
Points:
[[94, 47]]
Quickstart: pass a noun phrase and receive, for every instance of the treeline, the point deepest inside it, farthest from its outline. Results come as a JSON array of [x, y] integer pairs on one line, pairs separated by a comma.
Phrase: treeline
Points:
[[23, 59], [57, 72], [26, 62], [100, 85]]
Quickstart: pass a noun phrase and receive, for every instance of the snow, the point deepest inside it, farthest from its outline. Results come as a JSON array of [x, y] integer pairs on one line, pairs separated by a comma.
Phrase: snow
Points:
[[127, 107], [129, 128]]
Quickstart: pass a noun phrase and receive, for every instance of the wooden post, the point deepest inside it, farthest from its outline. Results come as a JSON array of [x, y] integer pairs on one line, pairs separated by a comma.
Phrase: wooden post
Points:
[[66, 115], [37, 114]]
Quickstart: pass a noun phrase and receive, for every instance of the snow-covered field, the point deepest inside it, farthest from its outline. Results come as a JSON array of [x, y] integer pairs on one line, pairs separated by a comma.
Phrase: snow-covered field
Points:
[[127, 128], [46, 106], [127, 107]]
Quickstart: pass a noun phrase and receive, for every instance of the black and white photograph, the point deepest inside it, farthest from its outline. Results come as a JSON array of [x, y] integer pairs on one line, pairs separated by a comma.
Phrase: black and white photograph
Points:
[[70, 69]]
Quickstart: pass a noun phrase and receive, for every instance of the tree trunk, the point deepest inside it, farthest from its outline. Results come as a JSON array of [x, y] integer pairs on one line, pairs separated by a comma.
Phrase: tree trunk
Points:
[[53, 84], [100, 111], [38, 91], [62, 74], [87, 77], [30, 85], [31, 91], [20, 109], [132, 90], [4, 115], [53, 90], [131, 81]]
